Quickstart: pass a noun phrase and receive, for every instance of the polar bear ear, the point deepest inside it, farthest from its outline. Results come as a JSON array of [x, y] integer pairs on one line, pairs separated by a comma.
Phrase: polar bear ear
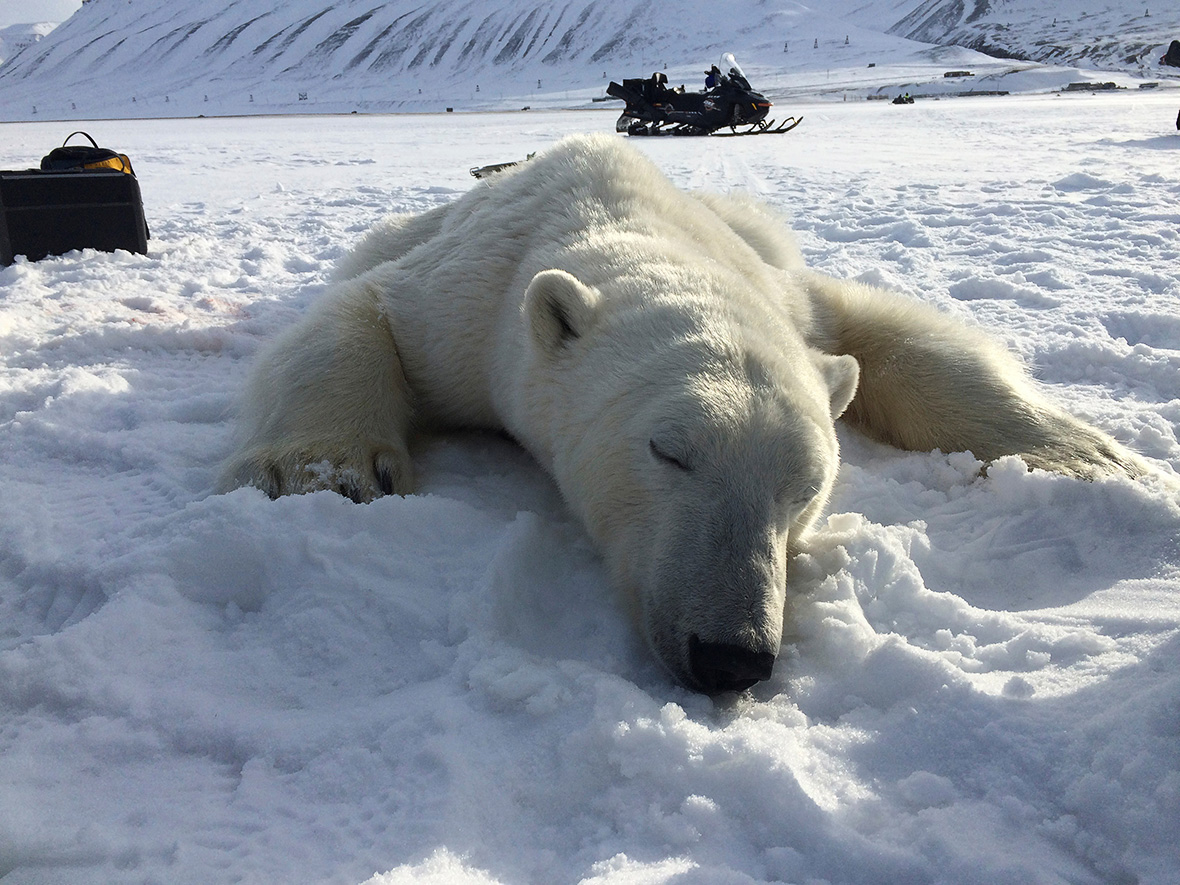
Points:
[[560, 308], [841, 374]]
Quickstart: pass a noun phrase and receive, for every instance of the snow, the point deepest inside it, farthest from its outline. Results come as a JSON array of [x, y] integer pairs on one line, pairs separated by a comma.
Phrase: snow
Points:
[[981, 677]]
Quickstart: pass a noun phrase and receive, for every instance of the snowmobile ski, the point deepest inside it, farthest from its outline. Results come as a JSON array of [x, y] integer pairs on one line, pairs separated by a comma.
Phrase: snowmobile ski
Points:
[[764, 128]]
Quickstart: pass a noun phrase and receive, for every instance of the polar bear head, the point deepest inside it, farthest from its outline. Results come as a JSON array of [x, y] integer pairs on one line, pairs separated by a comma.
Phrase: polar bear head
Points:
[[697, 450]]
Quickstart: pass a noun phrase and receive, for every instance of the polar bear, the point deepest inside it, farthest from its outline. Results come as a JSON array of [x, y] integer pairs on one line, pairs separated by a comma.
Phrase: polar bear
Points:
[[666, 357]]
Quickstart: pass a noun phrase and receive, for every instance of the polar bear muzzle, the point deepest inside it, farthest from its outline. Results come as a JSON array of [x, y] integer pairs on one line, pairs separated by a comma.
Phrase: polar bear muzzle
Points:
[[718, 667]]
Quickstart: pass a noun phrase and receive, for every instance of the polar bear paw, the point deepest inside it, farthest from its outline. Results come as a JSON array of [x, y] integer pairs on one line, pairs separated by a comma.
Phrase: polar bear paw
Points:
[[359, 473]]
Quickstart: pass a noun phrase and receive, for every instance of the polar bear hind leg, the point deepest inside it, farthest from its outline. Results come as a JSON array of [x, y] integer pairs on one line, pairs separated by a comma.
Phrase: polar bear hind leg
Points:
[[930, 382]]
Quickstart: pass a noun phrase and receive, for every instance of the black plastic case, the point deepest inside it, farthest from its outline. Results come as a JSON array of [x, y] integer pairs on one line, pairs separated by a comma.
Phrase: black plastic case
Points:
[[50, 213]]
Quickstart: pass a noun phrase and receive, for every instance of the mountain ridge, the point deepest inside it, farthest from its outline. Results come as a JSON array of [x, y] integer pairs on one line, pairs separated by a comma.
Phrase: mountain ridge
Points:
[[1116, 36]]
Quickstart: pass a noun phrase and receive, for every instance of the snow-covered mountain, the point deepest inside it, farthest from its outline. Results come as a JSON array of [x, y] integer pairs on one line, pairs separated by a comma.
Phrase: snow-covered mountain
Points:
[[364, 54], [17, 38], [1107, 36], [146, 58]]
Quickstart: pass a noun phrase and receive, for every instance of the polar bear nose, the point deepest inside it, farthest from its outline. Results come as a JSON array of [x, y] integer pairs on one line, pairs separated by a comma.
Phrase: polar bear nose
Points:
[[718, 666]]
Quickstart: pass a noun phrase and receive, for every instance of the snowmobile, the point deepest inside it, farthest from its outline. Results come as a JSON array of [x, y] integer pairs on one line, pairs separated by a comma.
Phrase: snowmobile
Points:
[[728, 102]]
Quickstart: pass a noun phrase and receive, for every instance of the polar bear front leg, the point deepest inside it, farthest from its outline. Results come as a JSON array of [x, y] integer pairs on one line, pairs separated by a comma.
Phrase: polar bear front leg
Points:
[[328, 406]]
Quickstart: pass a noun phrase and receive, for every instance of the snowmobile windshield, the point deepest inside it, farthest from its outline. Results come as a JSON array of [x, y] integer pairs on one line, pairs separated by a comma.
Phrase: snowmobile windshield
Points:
[[729, 64]]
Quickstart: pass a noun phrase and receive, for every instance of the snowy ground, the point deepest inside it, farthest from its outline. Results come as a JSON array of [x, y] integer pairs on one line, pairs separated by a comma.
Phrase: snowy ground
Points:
[[982, 679]]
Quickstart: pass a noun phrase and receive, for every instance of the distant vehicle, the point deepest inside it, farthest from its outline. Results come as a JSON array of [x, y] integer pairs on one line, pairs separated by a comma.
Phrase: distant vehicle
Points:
[[728, 102]]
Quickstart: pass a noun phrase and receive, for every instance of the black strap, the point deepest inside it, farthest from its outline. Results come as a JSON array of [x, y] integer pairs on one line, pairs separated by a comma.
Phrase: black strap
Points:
[[79, 132]]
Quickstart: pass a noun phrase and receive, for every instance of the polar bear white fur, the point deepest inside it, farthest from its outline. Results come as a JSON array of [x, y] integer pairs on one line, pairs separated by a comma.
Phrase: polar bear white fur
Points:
[[666, 357]]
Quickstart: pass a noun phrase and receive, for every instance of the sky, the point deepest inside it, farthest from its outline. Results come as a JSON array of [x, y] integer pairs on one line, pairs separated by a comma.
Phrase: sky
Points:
[[20, 12]]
